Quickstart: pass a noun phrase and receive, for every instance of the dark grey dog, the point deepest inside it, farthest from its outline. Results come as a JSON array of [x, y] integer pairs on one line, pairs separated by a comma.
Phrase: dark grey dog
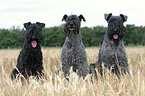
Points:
[[30, 58], [73, 51], [112, 54]]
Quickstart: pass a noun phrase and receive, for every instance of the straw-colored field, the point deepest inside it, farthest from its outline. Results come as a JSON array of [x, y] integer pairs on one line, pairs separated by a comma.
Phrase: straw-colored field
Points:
[[56, 85]]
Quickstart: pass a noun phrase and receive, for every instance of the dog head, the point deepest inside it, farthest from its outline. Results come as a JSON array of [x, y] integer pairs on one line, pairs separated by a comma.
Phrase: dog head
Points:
[[33, 34], [73, 23], [116, 28]]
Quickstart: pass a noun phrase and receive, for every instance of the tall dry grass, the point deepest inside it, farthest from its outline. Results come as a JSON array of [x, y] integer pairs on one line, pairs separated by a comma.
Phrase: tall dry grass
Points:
[[57, 85]]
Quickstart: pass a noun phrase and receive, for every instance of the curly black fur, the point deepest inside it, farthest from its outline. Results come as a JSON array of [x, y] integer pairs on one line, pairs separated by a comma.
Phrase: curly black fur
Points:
[[112, 54], [29, 62]]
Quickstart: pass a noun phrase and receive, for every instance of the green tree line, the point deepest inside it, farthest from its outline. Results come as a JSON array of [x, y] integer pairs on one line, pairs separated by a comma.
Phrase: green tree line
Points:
[[54, 36]]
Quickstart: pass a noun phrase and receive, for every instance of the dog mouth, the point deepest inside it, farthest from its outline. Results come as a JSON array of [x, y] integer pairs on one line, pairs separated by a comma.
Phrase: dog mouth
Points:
[[71, 29], [115, 36], [34, 43]]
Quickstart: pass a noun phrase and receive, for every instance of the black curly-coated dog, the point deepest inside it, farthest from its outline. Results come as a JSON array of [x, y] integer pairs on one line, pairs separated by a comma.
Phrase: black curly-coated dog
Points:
[[29, 62], [112, 54]]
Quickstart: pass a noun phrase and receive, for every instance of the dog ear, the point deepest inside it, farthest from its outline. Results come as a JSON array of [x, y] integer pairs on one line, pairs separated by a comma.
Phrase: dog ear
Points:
[[40, 24], [107, 16], [82, 17], [124, 17], [64, 17], [27, 24]]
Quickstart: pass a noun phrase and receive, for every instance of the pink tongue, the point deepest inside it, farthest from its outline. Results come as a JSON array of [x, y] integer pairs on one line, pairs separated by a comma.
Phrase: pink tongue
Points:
[[115, 36], [34, 44]]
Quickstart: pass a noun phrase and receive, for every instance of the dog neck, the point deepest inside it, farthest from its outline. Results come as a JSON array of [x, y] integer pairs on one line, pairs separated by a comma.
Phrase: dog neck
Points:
[[75, 40]]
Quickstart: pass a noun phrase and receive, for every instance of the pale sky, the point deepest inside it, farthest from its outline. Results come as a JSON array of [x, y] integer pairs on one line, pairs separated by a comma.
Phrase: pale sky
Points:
[[50, 12]]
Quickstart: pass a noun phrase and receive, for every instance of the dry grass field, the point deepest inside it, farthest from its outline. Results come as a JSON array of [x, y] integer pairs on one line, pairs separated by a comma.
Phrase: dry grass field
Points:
[[57, 85]]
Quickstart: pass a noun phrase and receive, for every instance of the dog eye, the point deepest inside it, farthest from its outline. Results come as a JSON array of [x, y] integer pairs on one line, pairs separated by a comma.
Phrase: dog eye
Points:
[[32, 32], [112, 29], [68, 25], [120, 27]]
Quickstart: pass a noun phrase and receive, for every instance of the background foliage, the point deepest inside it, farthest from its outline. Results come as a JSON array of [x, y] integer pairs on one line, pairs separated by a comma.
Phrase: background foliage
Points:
[[54, 36]]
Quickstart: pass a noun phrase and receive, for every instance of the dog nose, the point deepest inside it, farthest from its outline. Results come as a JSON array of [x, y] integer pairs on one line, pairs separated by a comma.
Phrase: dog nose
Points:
[[33, 37], [115, 30]]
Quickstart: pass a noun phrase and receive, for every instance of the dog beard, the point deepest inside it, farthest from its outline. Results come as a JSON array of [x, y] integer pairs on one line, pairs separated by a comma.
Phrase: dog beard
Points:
[[71, 31]]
